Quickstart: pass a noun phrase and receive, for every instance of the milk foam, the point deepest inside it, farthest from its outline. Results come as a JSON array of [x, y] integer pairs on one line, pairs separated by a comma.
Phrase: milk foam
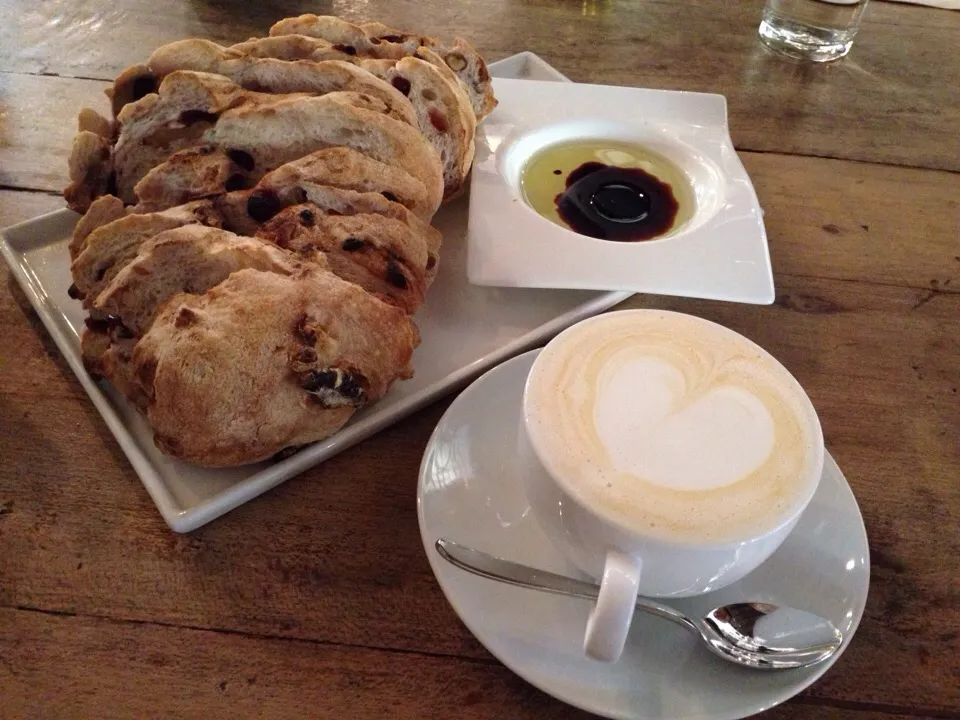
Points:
[[677, 426]]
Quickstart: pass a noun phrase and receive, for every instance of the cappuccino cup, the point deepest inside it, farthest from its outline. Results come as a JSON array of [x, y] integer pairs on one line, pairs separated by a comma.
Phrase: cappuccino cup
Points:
[[665, 456]]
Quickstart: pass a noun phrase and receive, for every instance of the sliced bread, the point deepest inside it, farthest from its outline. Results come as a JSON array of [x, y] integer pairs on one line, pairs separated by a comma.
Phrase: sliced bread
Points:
[[270, 197], [106, 250], [292, 47], [381, 255], [346, 168], [293, 127], [385, 42], [270, 75], [158, 125], [103, 210], [190, 259], [305, 351], [192, 174], [443, 109], [90, 169], [342, 35]]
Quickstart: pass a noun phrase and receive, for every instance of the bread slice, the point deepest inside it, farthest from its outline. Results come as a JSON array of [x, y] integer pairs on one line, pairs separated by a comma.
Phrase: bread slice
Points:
[[271, 75], [305, 351], [107, 209], [348, 202], [292, 47], [342, 35], [106, 350], [280, 189], [94, 122], [193, 174], [472, 71], [343, 167], [391, 37], [103, 210], [444, 113], [479, 92], [296, 126], [244, 212], [381, 255], [187, 259], [173, 136], [90, 169], [110, 247], [155, 127], [133, 84], [190, 259], [384, 42]]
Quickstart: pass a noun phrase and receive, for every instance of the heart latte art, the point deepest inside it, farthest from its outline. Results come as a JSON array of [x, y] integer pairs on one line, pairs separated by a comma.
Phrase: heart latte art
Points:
[[675, 426]]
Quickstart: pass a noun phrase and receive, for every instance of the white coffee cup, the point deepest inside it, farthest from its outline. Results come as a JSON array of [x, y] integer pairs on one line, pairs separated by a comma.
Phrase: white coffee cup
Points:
[[666, 456]]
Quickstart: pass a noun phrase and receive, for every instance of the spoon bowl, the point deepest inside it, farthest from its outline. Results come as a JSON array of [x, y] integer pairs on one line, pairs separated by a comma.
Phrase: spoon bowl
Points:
[[752, 634], [767, 636]]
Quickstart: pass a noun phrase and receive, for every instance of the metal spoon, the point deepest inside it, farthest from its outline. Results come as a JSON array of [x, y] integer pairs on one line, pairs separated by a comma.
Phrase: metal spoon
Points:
[[756, 635]]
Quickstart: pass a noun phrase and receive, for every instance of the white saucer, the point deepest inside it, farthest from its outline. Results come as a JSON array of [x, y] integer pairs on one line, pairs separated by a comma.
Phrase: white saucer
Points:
[[469, 492]]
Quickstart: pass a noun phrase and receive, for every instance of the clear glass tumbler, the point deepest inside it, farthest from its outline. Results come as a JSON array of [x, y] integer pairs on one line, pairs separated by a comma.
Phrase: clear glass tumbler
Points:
[[818, 30]]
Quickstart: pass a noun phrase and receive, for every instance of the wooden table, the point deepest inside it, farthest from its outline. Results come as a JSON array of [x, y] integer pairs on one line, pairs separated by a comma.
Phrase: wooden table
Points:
[[316, 600]]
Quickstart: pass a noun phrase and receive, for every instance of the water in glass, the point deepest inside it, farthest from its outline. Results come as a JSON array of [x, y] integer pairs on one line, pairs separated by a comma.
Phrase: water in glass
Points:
[[818, 30]]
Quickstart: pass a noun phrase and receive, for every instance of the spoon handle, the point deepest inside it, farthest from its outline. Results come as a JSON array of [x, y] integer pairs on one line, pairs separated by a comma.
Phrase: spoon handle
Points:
[[494, 568]]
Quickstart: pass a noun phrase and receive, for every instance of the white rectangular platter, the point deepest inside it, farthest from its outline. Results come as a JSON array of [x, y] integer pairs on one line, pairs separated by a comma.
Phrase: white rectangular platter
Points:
[[465, 329]]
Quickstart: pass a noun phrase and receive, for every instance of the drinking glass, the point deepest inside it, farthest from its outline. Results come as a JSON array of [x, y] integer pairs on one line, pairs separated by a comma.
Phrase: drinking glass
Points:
[[818, 30]]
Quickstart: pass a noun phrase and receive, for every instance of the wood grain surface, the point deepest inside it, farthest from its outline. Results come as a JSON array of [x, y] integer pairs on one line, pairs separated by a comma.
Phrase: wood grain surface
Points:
[[316, 600], [211, 675], [895, 99]]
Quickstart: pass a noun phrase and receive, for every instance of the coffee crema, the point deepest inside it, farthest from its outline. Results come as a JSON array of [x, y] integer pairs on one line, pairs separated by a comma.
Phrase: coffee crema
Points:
[[675, 426]]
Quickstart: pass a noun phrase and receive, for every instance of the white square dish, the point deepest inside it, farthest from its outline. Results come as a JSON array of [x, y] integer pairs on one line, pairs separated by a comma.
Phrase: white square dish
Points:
[[720, 253], [465, 329]]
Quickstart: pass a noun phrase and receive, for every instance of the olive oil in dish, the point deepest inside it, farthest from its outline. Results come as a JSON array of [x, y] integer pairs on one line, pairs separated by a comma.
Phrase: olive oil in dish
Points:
[[608, 189]]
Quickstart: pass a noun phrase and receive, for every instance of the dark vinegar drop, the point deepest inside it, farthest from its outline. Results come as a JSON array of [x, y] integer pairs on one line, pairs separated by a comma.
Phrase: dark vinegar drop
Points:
[[614, 203], [558, 172]]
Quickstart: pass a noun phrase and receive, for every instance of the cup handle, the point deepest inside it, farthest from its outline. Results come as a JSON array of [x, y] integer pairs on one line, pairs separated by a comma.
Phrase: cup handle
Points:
[[610, 618]]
